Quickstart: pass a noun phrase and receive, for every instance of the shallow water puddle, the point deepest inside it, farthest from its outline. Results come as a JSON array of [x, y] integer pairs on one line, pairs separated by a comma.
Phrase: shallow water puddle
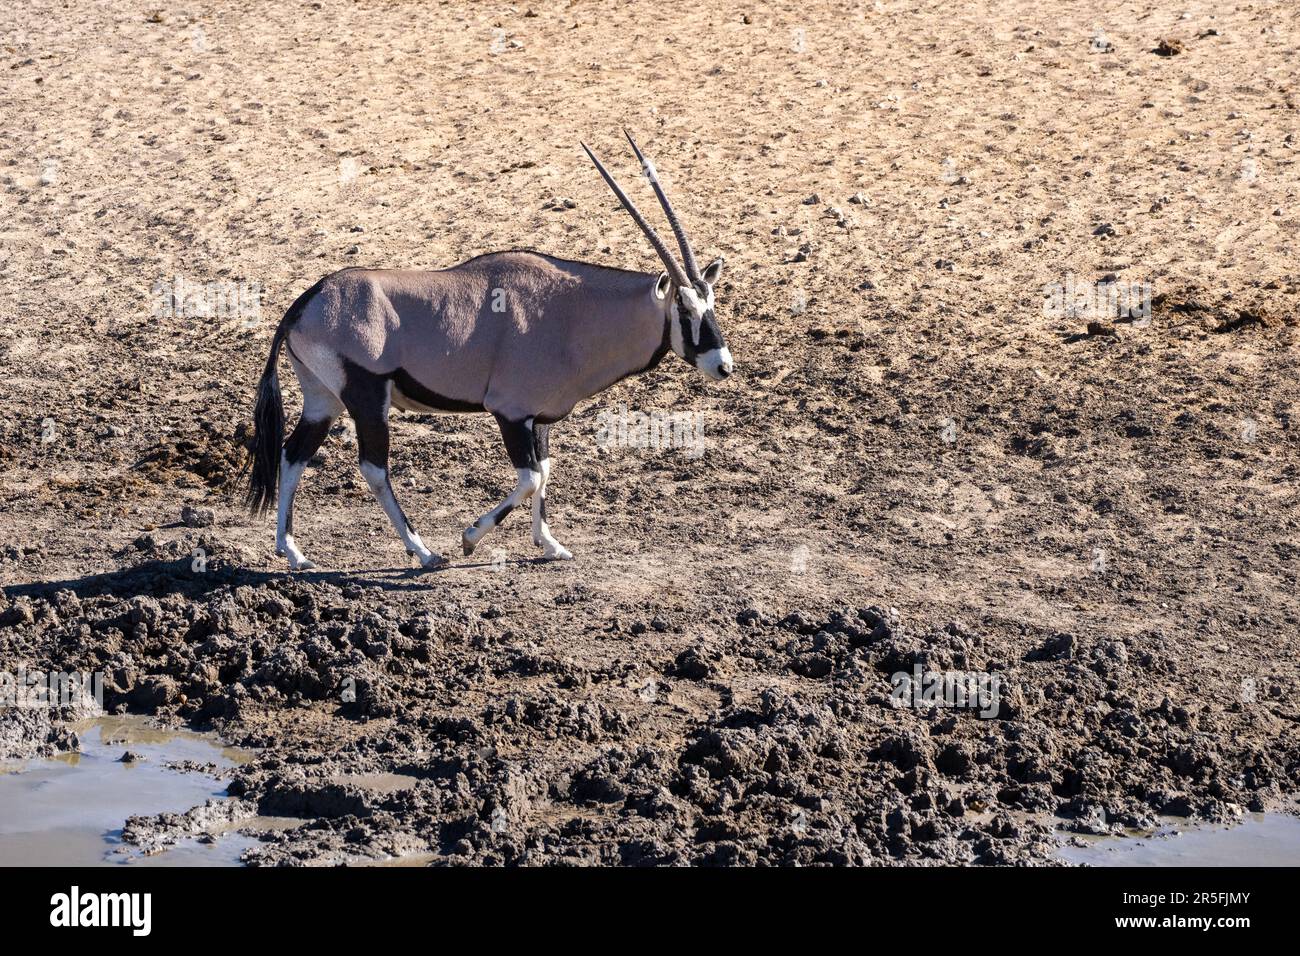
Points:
[[1260, 839], [69, 810]]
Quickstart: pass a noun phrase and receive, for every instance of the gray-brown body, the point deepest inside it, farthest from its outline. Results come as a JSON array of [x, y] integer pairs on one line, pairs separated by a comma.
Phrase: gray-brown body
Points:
[[517, 334]]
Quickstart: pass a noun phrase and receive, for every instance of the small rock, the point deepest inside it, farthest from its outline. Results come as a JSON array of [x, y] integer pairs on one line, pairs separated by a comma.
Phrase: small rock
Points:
[[813, 665], [197, 517], [692, 665], [19, 613]]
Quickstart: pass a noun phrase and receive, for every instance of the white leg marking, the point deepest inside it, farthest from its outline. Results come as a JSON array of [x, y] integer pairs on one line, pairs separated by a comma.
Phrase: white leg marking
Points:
[[319, 403], [377, 479], [529, 482], [290, 475], [541, 533]]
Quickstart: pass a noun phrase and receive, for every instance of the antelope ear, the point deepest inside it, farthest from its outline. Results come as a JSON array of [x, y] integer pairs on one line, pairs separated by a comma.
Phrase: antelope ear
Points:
[[712, 271], [661, 286]]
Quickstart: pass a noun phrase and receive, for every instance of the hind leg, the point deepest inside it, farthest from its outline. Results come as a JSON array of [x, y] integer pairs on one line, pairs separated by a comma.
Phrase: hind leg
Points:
[[367, 398], [518, 436], [320, 407], [541, 532]]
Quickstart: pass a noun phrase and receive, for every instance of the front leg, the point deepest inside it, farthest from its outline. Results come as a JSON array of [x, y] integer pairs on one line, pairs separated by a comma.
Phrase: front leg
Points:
[[367, 397], [541, 533], [518, 437]]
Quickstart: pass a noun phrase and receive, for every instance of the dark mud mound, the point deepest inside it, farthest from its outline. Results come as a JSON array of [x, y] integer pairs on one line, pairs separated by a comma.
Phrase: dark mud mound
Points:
[[209, 455], [769, 741]]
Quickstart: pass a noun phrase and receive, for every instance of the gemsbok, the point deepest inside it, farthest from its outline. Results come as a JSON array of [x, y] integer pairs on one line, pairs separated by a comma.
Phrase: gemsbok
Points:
[[521, 335]]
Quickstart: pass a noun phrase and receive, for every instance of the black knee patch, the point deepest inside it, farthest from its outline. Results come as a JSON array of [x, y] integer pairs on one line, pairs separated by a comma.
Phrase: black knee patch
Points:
[[519, 438], [495, 516], [365, 395], [306, 439]]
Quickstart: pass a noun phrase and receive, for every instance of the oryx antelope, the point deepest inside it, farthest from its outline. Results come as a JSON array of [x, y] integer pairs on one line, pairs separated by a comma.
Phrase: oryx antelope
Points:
[[521, 335]]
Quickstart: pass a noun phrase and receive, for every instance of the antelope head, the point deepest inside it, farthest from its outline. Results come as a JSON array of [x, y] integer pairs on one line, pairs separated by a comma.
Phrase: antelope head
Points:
[[684, 292]]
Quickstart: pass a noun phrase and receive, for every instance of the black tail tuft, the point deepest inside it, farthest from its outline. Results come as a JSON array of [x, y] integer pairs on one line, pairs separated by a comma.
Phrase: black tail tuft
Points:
[[262, 467]]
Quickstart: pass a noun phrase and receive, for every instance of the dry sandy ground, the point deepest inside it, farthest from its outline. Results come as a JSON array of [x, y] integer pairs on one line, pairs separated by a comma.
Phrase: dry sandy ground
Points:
[[1109, 521]]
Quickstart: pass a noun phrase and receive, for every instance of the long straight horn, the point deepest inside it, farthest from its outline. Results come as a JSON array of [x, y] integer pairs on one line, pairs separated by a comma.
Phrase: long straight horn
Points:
[[665, 254], [688, 257]]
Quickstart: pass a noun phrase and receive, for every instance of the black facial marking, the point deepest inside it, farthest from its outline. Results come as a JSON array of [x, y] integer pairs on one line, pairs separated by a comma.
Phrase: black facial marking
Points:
[[688, 343], [710, 334]]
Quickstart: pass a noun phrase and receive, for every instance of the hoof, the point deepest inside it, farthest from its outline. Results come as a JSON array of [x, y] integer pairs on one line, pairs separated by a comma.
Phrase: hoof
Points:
[[558, 553], [433, 561], [466, 544], [303, 566]]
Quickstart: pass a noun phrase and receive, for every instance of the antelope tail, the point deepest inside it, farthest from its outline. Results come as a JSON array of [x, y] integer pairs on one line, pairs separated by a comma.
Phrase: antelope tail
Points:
[[262, 466]]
